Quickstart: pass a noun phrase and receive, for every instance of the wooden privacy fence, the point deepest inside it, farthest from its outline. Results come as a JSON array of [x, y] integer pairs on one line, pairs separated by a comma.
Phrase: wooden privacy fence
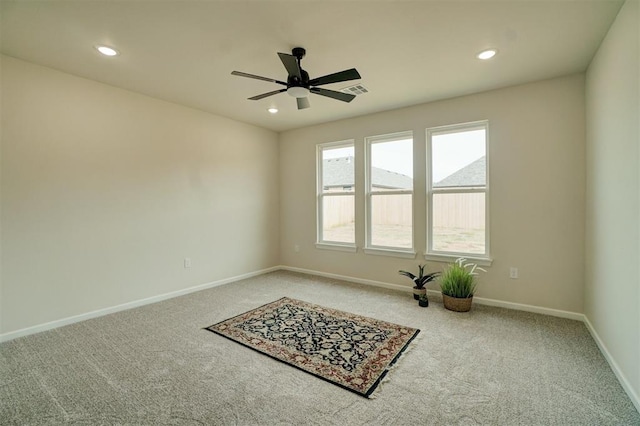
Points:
[[338, 210], [464, 211], [391, 210]]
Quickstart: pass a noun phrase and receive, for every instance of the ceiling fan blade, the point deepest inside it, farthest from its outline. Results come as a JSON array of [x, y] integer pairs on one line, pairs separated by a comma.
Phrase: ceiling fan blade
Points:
[[337, 77], [264, 95], [303, 103], [291, 64], [257, 77], [345, 97]]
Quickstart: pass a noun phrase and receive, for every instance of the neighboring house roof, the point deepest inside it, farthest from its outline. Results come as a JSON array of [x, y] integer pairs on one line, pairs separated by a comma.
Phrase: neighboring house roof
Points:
[[338, 172], [473, 174]]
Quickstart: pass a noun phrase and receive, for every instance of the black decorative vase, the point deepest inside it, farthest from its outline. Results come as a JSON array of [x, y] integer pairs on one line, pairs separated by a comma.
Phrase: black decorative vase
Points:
[[423, 302]]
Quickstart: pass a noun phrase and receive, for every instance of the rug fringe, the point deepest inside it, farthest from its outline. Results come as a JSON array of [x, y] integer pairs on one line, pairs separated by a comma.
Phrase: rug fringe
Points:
[[393, 366]]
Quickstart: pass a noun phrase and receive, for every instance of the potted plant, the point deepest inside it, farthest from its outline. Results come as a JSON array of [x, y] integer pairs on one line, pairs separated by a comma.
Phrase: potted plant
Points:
[[420, 280], [423, 301], [458, 283]]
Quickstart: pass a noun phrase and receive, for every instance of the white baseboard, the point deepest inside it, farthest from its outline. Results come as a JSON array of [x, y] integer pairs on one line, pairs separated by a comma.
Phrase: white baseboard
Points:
[[478, 300], [529, 308], [349, 279], [129, 305], [614, 365], [134, 304]]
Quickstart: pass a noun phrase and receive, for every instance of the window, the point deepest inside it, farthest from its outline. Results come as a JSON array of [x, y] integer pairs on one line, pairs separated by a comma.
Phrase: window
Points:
[[457, 190], [336, 197], [389, 194]]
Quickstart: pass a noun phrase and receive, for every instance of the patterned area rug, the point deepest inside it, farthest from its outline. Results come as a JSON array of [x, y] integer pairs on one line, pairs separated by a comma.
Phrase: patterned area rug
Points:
[[351, 351]]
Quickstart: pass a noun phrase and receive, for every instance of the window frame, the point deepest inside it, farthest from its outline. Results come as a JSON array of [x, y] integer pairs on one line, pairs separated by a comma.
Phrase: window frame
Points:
[[370, 248], [436, 255], [321, 243]]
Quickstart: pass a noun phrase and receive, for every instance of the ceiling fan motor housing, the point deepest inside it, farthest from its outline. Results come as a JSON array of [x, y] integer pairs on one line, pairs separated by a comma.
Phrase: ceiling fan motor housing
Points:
[[299, 85], [294, 81]]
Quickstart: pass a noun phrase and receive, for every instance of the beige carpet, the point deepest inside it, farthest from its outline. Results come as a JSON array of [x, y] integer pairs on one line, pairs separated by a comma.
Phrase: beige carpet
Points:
[[157, 365]]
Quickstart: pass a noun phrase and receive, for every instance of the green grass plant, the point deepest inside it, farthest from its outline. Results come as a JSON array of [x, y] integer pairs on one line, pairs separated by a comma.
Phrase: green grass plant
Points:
[[459, 279]]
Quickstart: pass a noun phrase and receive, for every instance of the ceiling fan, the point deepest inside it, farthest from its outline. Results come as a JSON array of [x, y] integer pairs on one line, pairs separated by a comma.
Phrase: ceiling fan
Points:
[[298, 83]]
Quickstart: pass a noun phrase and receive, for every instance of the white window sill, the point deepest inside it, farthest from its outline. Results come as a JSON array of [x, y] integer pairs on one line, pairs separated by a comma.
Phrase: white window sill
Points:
[[338, 247], [390, 252], [450, 258]]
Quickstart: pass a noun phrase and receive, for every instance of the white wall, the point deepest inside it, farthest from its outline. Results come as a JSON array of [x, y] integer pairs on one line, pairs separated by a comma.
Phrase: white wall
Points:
[[105, 192], [537, 178], [612, 291], [1, 286]]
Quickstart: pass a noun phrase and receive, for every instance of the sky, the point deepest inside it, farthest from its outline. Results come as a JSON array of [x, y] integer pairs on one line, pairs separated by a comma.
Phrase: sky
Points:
[[396, 156], [450, 152], [453, 151]]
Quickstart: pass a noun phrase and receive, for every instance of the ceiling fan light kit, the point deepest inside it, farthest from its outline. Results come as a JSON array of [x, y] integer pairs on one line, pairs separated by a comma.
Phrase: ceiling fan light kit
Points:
[[298, 91], [299, 85]]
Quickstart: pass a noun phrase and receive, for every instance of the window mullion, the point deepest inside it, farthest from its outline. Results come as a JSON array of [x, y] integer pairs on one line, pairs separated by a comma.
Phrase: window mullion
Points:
[[405, 192], [324, 194], [458, 189]]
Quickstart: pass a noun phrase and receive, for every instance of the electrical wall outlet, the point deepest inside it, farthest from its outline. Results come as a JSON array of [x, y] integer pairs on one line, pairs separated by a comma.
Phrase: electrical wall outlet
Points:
[[187, 262], [513, 273], [296, 248]]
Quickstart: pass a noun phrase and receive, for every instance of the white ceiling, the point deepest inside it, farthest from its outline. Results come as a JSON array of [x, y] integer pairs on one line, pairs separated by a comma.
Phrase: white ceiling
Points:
[[408, 52]]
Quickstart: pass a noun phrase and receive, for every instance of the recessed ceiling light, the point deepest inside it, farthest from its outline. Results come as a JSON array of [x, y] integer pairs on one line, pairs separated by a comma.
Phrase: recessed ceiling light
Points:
[[273, 110], [107, 51], [487, 54]]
